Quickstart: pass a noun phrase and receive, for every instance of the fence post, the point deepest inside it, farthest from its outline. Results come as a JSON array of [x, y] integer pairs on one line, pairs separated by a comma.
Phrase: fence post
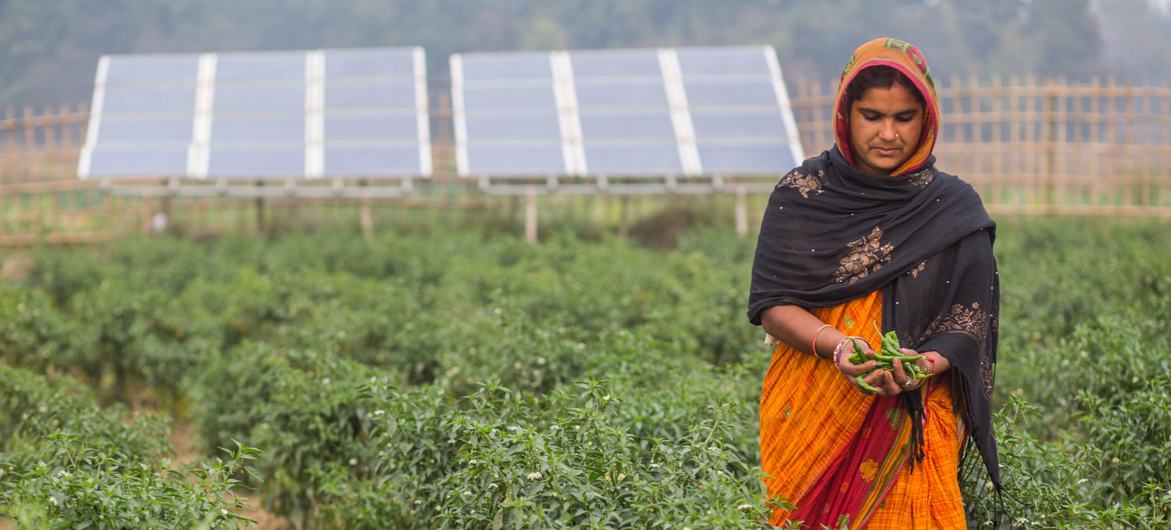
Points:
[[741, 212], [531, 214], [366, 219]]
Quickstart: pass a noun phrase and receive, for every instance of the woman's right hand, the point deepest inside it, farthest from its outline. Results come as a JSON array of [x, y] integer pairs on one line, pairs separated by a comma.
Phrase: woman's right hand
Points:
[[881, 380]]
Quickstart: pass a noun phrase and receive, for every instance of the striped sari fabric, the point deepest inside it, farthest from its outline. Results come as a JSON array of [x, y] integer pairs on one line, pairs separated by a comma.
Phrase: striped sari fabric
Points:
[[841, 457]]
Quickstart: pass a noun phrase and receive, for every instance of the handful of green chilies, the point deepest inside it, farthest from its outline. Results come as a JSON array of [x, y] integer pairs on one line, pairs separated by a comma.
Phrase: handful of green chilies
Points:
[[885, 357]]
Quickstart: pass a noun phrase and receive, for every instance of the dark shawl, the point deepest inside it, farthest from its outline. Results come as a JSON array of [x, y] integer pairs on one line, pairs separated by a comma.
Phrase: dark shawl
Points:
[[831, 234]]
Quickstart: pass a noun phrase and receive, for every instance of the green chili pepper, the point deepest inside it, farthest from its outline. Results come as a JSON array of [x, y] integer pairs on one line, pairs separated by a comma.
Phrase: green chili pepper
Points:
[[912, 371], [864, 385], [859, 356], [888, 352]]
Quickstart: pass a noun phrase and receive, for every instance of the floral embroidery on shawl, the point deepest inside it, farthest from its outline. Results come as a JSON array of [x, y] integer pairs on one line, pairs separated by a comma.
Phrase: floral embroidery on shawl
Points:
[[922, 177], [806, 184], [915, 272], [974, 322], [867, 254]]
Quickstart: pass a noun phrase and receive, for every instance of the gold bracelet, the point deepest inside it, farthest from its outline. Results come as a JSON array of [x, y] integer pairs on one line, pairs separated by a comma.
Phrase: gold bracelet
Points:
[[813, 343]]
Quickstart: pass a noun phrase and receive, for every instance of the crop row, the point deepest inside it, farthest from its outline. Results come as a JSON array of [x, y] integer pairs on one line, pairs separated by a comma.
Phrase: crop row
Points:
[[451, 378]]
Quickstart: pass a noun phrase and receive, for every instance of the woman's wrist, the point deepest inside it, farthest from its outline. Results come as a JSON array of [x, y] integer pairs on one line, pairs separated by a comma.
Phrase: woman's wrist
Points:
[[813, 341], [933, 363], [840, 349]]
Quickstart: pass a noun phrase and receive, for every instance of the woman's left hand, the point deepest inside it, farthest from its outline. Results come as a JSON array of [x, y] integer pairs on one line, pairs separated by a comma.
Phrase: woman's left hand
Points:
[[904, 381]]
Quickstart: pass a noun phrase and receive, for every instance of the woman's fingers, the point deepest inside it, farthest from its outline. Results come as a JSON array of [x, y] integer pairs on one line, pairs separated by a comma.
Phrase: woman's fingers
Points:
[[889, 385], [851, 369], [900, 375], [880, 380], [883, 382]]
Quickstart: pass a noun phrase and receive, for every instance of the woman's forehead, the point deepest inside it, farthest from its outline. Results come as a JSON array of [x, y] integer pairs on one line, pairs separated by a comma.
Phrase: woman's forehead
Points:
[[890, 99]]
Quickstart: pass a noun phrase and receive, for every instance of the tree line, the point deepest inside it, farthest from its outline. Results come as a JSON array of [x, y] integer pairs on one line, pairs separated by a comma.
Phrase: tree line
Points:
[[49, 48]]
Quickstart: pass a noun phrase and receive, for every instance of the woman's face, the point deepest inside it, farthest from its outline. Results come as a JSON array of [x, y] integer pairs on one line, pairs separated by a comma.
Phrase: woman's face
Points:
[[885, 124]]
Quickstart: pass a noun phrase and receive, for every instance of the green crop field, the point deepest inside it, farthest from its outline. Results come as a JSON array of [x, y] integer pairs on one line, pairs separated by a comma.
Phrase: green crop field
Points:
[[450, 375]]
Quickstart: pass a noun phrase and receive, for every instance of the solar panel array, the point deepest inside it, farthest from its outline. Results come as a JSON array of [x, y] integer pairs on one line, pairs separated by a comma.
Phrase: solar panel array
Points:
[[289, 115], [640, 113], [296, 117]]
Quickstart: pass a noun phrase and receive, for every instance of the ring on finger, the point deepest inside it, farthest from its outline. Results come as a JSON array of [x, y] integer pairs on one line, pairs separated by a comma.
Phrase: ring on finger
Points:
[[910, 383]]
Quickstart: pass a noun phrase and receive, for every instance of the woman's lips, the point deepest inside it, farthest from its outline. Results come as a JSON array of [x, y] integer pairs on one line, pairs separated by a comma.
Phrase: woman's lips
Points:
[[885, 151]]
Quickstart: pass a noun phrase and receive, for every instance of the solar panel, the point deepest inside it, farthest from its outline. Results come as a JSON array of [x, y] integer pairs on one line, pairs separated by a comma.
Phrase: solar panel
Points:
[[615, 96], [507, 115], [130, 128], [626, 128], [163, 69], [287, 115], [508, 67], [142, 160], [743, 123], [640, 113]]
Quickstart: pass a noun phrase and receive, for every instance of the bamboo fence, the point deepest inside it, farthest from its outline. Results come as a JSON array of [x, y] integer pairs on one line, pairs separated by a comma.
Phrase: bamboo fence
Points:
[[1041, 147], [1029, 146]]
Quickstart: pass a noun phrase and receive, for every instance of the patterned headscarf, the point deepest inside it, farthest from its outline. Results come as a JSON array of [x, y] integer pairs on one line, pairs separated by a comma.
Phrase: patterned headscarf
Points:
[[909, 61]]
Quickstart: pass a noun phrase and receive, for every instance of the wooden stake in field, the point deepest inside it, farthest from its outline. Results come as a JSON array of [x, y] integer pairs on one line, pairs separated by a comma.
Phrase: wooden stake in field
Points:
[[531, 214], [741, 211]]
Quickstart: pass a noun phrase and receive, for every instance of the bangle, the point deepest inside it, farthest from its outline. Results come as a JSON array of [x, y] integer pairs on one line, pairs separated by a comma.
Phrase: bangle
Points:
[[813, 343], [931, 361], [841, 344]]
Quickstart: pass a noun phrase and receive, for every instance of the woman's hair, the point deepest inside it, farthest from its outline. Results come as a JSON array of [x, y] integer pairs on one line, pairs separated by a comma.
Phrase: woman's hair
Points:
[[880, 76]]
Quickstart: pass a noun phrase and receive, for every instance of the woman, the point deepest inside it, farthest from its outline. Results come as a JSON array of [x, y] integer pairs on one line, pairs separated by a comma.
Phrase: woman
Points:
[[868, 236]]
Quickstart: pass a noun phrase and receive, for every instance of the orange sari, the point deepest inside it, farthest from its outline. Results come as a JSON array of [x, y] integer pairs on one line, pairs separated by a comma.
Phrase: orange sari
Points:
[[810, 415]]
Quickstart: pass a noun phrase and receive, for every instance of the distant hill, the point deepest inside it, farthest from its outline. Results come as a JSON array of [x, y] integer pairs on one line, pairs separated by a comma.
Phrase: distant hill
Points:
[[49, 48]]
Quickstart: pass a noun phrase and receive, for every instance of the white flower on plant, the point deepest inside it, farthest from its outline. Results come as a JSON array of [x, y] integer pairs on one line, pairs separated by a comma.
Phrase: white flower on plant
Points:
[[353, 461], [744, 507], [535, 475], [492, 486]]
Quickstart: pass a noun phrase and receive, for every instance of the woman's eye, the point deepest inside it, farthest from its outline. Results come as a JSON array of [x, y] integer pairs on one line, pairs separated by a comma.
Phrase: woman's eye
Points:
[[905, 119]]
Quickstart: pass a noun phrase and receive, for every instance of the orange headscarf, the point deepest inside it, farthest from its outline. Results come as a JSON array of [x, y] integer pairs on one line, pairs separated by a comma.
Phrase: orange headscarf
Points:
[[906, 59]]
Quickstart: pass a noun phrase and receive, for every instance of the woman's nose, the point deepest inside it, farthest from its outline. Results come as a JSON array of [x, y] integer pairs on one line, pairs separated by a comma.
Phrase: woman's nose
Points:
[[888, 131]]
